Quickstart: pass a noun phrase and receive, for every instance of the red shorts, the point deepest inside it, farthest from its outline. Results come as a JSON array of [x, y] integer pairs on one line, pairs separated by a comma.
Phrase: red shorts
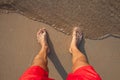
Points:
[[35, 73], [83, 73]]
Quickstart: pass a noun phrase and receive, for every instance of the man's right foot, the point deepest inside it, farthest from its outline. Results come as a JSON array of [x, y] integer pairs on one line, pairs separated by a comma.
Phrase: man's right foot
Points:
[[76, 38]]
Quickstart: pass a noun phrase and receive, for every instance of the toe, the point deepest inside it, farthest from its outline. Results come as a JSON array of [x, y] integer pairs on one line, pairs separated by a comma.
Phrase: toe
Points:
[[76, 31], [77, 34], [41, 31]]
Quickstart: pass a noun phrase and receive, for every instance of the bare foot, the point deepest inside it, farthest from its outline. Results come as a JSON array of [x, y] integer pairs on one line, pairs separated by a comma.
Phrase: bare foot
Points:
[[42, 38], [76, 38]]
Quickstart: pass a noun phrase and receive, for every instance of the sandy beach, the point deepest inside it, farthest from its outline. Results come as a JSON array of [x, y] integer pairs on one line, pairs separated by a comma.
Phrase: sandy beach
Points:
[[18, 46]]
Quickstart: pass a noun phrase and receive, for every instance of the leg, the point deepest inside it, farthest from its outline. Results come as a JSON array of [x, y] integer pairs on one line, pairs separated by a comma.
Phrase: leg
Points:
[[78, 58], [39, 69], [81, 69], [41, 58]]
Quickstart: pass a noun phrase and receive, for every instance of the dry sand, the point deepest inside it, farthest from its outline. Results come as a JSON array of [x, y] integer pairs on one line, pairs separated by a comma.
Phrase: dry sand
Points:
[[18, 46]]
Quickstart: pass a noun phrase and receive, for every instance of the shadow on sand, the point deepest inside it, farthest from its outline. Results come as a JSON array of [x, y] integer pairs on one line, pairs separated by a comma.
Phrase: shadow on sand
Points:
[[82, 48], [53, 57]]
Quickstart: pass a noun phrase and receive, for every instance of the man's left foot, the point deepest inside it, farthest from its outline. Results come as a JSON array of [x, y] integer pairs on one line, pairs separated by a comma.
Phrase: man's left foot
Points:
[[42, 38]]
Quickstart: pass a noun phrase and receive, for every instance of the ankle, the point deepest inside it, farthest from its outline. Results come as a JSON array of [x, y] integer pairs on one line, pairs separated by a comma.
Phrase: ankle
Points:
[[73, 49], [45, 49], [45, 46]]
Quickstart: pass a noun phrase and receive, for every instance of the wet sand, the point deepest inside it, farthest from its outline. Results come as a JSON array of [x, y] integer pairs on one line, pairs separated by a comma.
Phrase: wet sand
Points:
[[95, 17], [18, 46]]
